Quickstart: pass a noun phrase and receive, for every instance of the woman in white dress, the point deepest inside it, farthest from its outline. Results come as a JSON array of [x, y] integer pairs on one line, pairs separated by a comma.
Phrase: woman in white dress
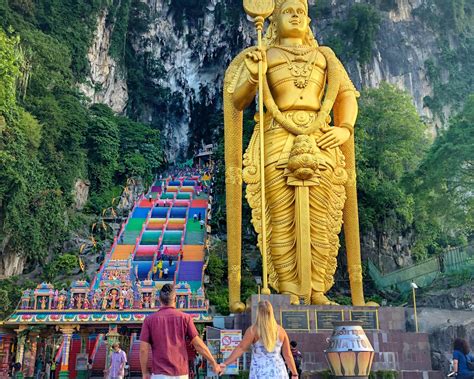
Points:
[[268, 341]]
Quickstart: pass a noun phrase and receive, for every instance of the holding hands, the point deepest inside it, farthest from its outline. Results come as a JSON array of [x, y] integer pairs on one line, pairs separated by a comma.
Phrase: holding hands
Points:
[[218, 368]]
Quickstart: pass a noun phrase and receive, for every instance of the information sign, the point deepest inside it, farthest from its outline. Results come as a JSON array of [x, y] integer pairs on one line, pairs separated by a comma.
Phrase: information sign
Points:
[[295, 320], [369, 319], [325, 319]]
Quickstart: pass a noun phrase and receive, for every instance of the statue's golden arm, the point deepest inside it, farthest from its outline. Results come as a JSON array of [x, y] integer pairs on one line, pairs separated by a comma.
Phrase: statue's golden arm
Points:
[[345, 109], [245, 91]]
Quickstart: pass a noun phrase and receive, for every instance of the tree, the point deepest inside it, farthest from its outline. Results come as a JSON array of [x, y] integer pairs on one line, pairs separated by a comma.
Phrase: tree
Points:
[[446, 180], [360, 30], [10, 61], [103, 142], [390, 143]]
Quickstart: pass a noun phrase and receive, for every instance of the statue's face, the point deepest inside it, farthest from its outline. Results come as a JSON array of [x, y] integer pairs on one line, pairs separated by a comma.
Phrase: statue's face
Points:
[[293, 22]]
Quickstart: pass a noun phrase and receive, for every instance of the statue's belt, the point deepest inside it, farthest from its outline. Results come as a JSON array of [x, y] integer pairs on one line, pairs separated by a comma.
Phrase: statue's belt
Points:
[[303, 119]]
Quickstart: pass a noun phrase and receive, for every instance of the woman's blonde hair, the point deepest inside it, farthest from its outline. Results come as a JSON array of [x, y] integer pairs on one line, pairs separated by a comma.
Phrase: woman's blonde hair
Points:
[[266, 326]]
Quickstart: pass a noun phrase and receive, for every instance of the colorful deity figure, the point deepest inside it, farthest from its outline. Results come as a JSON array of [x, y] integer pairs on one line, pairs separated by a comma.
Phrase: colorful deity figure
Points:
[[25, 299], [87, 304], [121, 302], [182, 302], [43, 302], [95, 301], [113, 299], [130, 297], [104, 303], [146, 300], [61, 300], [79, 301], [303, 181], [72, 302], [55, 299]]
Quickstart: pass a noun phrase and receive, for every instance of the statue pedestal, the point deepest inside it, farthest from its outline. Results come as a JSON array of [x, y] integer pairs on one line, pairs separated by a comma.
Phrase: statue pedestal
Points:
[[396, 348]]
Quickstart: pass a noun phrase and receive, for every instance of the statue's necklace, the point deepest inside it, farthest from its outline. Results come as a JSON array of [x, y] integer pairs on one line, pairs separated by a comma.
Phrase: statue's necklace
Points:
[[301, 73], [296, 50]]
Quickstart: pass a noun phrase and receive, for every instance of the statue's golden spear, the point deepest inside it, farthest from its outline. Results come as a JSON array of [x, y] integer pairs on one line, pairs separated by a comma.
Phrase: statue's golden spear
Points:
[[259, 10]]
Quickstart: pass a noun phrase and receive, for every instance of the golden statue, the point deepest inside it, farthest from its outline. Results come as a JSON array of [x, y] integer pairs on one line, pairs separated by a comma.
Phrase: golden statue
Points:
[[309, 163]]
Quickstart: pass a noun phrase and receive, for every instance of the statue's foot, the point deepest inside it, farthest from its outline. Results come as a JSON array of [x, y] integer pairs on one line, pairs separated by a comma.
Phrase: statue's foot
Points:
[[318, 298], [294, 299]]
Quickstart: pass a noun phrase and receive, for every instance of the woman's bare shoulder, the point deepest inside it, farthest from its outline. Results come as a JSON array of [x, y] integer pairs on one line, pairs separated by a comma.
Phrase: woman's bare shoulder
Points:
[[281, 332], [251, 330]]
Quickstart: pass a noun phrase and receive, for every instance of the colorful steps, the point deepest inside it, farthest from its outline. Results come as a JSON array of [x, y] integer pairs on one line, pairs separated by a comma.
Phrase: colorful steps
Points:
[[122, 252], [139, 212], [194, 238], [199, 204], [190, 271], [193, 253], [151, 237]]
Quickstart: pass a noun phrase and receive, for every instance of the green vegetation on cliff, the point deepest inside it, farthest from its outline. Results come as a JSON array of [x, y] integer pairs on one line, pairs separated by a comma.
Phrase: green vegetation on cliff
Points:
[[391, 143], [49, 137], [450, 69]]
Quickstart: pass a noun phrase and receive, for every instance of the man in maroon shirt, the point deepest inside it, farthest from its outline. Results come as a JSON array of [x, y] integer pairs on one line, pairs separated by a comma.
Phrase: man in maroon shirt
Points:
[[165, 333]]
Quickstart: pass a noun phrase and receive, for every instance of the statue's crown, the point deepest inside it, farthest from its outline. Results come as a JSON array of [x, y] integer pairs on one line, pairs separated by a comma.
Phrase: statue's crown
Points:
[[279, 4]]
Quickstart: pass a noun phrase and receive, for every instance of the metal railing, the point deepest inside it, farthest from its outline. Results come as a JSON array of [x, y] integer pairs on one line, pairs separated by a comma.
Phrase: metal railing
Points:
[[424, 273]]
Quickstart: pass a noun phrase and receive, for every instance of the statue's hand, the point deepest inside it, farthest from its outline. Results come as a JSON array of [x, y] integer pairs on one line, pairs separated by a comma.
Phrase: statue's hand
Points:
[[251, 61], [334, 137]]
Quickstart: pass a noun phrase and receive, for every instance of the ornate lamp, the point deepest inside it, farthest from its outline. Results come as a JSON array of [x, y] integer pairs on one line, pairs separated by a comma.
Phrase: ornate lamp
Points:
[[350, 353]]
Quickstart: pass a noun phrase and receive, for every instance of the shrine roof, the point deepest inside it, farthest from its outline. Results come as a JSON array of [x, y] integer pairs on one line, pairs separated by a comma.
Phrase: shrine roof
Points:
[[91, 317]]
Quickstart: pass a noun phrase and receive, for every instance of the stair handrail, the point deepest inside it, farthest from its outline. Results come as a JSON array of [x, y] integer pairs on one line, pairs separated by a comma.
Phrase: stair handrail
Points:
[[176, 272], [107, 256], [58, 355], [96, 347]]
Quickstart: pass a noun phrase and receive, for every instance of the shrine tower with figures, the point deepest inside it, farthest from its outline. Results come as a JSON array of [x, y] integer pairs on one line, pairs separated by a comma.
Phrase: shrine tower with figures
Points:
[[164, 240]]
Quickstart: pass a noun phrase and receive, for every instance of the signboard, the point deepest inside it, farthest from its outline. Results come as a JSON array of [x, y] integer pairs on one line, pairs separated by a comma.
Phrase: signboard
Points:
[[325, 319], [221, 350], [214, 348], [81, 362], [295, 320], [369, 319], [230, 339]]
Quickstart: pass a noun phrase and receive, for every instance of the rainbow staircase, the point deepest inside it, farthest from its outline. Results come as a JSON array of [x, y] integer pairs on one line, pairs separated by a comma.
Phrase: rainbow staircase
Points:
[[164, 225]]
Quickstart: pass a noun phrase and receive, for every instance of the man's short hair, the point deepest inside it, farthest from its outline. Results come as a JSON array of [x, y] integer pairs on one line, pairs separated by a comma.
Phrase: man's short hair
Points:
[[293, 344], [116, 344], [167, 294]]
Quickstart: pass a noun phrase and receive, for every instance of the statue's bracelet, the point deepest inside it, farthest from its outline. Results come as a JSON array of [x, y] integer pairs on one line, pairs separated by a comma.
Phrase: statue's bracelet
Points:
[[252, 80], [348, 127]]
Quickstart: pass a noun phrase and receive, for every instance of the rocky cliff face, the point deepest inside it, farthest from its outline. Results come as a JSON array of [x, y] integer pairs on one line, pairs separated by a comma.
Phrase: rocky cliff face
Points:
[[191, 48], [106, 83], [402, 46], [443, 326], [11, 263]]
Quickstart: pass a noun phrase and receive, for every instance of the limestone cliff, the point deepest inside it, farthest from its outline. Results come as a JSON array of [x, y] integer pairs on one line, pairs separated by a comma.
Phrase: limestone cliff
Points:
[[193, 48], [106, 83], [184, 52]]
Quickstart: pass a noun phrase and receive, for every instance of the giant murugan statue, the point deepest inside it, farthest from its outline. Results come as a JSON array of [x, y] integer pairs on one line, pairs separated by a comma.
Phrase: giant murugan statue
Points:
[[308, 158]]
